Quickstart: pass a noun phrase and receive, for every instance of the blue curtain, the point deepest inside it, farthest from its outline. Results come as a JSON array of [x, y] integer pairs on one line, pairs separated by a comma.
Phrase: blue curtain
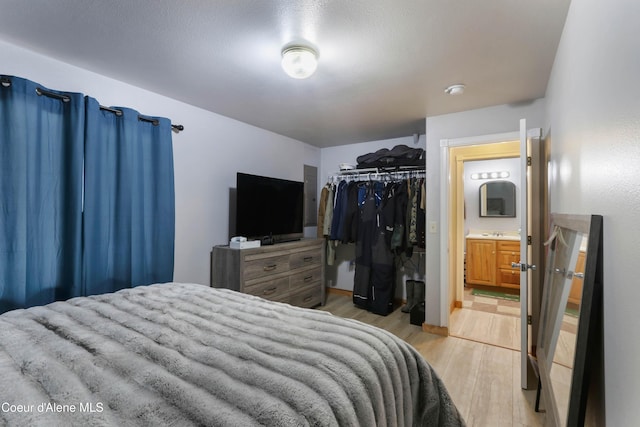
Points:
[[129, 206], [41, 150]]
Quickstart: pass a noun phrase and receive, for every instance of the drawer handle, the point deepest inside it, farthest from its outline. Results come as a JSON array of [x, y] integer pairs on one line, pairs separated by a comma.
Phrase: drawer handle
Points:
[[270, 267], [308, 259], [308, 278], [308, 298], [269, 291]]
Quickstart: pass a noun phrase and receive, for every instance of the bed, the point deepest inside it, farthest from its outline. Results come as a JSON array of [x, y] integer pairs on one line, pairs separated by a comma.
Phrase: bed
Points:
[[185, 354]]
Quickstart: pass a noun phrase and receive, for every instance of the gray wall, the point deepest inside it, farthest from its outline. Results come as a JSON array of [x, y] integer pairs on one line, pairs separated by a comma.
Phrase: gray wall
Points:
[[593, 122]]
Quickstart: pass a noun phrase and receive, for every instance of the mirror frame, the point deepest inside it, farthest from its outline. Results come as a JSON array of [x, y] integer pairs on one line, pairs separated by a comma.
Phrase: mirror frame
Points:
[[483, 201], [588, 322]]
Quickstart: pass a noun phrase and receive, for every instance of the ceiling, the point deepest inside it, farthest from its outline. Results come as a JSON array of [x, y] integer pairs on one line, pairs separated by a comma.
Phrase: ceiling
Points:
[[383, 66]]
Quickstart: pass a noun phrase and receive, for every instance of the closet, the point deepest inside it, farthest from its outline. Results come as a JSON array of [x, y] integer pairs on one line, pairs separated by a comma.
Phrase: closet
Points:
[[381, 212]]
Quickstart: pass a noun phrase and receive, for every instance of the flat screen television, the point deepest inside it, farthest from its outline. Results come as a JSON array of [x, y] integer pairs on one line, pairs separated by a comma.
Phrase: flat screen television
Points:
[[269, 209]]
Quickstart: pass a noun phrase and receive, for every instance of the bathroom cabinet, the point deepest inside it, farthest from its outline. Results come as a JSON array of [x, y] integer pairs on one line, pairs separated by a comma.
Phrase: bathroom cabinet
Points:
[[481, 262], [489, 262], [508, 253]]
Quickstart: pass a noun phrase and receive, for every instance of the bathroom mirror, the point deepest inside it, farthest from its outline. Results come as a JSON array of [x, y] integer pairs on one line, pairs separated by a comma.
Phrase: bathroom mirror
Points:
[[498, 199], [569, 311]]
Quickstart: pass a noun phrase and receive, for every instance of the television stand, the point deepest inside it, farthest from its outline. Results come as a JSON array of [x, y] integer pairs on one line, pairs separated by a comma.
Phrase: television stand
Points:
[[291, 272]]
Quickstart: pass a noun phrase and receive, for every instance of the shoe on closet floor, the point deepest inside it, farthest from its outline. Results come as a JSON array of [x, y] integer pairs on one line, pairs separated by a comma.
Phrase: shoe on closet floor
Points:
[[410, 286]]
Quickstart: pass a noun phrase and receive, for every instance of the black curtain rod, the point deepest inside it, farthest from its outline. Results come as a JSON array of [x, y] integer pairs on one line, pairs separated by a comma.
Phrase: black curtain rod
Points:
[[65, 98], [175, 128]]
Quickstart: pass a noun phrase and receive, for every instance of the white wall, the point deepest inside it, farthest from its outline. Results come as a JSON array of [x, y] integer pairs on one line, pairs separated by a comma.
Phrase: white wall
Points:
[[472, 190], [485, 121], [593, 119], [207, 154], [341, 274]]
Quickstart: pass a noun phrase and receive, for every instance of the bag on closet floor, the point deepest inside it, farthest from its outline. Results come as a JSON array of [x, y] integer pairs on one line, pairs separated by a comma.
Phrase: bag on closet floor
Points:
[[417, 314]]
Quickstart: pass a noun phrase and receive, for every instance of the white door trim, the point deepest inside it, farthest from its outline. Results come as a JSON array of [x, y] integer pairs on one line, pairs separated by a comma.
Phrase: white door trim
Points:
[[445, 174]]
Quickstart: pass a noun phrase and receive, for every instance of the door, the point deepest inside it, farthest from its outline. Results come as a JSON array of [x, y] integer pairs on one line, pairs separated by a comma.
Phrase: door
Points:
[[525, 258]]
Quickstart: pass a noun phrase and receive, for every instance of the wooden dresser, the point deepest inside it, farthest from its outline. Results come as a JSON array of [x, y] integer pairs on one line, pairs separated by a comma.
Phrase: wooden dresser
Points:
[[291, 272]]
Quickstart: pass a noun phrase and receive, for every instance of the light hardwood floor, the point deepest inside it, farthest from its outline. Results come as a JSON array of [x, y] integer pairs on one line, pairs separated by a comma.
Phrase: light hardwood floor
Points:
[[483, 379]]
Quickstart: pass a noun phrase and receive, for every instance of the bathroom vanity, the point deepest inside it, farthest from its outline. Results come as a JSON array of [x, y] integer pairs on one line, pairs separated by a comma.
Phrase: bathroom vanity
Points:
[[489, 257]]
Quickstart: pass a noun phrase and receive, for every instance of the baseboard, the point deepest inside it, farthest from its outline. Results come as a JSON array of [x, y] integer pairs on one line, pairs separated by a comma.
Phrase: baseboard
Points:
[[458, 304], [397, 301], [436, 330], [342, 292]]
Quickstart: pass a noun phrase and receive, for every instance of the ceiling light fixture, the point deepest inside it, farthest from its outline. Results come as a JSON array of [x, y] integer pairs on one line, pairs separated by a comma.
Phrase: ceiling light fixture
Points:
[[299, 62], [455, 89]]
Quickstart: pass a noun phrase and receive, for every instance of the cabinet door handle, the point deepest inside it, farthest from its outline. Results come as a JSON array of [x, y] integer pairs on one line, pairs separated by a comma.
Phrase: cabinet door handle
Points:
[[308, 278], [308, 259], [308, 298], [270, 290], [270, 267]]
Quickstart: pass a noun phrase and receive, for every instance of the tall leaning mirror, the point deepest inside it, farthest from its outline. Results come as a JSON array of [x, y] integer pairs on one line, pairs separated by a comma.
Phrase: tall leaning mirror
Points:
[[571, 299]]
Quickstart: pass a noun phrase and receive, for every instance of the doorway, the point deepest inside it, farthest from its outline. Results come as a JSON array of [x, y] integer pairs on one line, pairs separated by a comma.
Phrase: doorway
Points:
[[482, 311], [452, 155]]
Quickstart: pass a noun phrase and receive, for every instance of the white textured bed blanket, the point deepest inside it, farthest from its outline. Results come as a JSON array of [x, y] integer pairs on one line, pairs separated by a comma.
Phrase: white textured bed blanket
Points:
[[184, 354]]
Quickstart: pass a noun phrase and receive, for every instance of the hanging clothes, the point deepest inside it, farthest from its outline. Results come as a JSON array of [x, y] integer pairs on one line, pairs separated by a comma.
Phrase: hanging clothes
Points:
[[382, 280], [374, 280], [399, 241], [325, 218], [385, 221], [421, 219], [349, 232], [364, 245], [322, 209], [339, 211]]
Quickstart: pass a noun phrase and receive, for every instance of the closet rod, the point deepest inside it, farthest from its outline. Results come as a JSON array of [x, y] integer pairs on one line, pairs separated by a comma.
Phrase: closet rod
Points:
[[398, 172]]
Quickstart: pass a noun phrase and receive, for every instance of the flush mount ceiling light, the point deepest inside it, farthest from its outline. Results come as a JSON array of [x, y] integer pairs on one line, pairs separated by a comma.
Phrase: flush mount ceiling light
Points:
[[299, 62], [455, 89]]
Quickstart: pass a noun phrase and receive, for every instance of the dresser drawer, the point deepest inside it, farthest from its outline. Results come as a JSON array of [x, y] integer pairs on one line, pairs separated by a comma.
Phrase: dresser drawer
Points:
[[270, 289], [255, 267], [309, 296], [290, 272], [305, 278], [304, 258]]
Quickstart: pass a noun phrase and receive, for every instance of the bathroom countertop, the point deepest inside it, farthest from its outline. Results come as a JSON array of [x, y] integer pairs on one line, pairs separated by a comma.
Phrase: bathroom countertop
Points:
[[494, 235]]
